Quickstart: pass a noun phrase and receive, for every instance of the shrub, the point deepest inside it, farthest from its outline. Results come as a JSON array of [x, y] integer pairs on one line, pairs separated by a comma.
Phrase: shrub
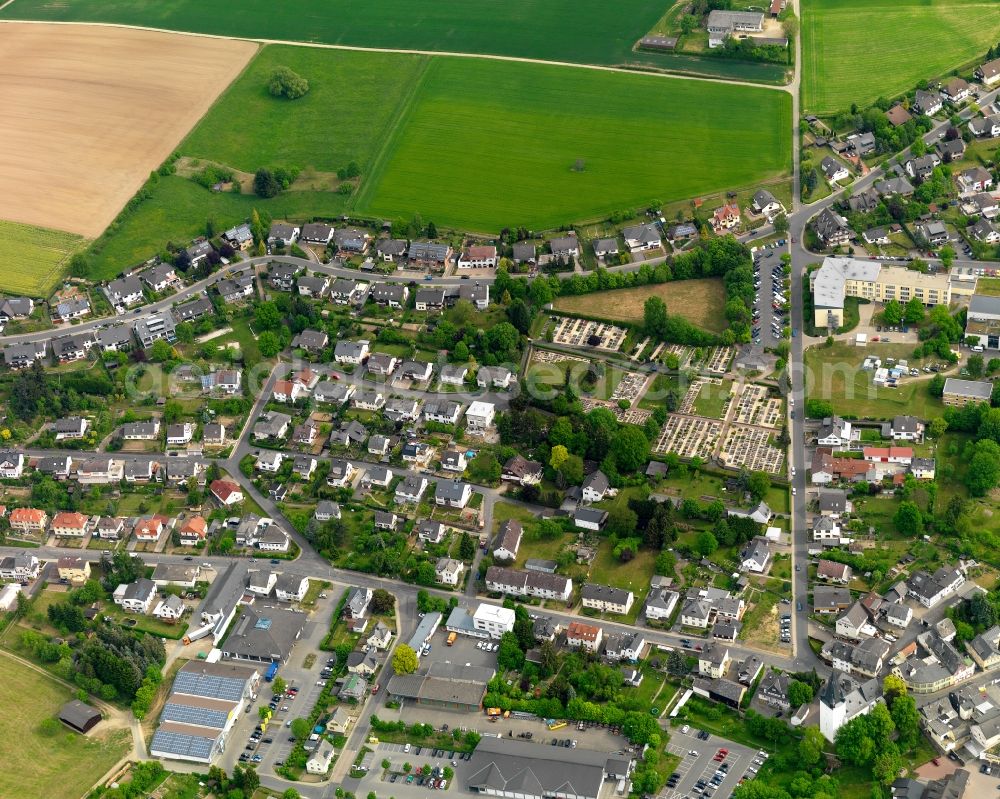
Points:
[[286, 83]]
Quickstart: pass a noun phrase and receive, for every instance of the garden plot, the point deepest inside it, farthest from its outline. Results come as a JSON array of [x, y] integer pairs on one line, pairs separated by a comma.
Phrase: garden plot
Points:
[[689, 437], [587, 333], [750, 447], [755, 407]]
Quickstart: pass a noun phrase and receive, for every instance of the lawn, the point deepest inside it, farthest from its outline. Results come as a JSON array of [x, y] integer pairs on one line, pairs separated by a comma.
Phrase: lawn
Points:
[[712, 399], [177, 211], [633, 575], [61, 766], [559, 145], [700, 301], [34, 259], [917, 39], [835, 374]]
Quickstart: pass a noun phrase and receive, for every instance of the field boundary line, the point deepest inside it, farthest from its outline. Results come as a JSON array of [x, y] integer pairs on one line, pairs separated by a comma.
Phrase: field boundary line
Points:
[[786, 89], [390, 134]]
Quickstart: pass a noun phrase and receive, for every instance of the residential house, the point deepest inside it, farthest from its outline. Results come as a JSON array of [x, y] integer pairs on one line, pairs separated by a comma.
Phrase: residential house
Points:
[[416, 371], [975, 179], [110, 528], [589, 518], [478, 257], [714, 660], [159, 326], [726, 218], [755, 556], [443, 411], [226, 492], [11, 464], [955, 91], [352, 240], [240, 237], [313, 285], [346, 292], [70, 427], [124, 292], [834, 572], [411, 489], [429, 299], [766, 204], [452, 493], [453, 374], [352, 352], [429, 254], [282, 276], [832, 228], [291, 587], [927, 103], [430, 532], [169, 609], [72, 347], [271, 424], [508, 540], [931, 589], [326, 510], [386, 521], [20, 356], [639, 238], [606, 598], [830, 599], [522, 471], [69, 525], [391, 250], [73, 569], [194, 531], [341, 473], [448, 571], [162, 276], [141, 431], [773, 690], [282, 234], [316, 233], [391, 294], [595, 487], [495, 376], [922, 167], [20, 568], [833, 170], [528, 583], [136, 597], [453, 460], [180, 434], [580, 635], [606, 248]]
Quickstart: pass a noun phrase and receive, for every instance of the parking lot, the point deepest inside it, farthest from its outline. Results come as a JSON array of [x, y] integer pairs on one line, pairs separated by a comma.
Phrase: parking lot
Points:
[[702, 766], [768, 276]]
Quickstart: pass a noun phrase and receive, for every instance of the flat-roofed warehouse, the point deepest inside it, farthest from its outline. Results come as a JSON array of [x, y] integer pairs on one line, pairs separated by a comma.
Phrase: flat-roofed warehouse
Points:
[[502, 767], [203, 706], [444, 685]]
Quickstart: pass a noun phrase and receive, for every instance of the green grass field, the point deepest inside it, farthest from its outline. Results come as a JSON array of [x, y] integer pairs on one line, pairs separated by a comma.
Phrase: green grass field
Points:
[[61, 766], [178, 210], [487, 144], [404, 120], [34, 259], [353, 99], [855, 51], [835, 374], [590, 31]]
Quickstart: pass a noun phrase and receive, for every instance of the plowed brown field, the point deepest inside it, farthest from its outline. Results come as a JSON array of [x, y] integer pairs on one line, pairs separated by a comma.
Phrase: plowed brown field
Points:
[[89, 111]]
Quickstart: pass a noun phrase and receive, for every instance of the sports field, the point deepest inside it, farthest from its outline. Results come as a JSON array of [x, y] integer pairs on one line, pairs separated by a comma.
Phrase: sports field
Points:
[[700, 301], [582, 31], [89, 111], [484, 144], [61, 766], [855, 51], [33, 259]]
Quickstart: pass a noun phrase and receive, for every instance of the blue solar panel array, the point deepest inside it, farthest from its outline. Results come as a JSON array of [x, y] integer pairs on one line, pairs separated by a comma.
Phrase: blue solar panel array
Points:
[[199, 716], [179, 744], [209, 685]]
